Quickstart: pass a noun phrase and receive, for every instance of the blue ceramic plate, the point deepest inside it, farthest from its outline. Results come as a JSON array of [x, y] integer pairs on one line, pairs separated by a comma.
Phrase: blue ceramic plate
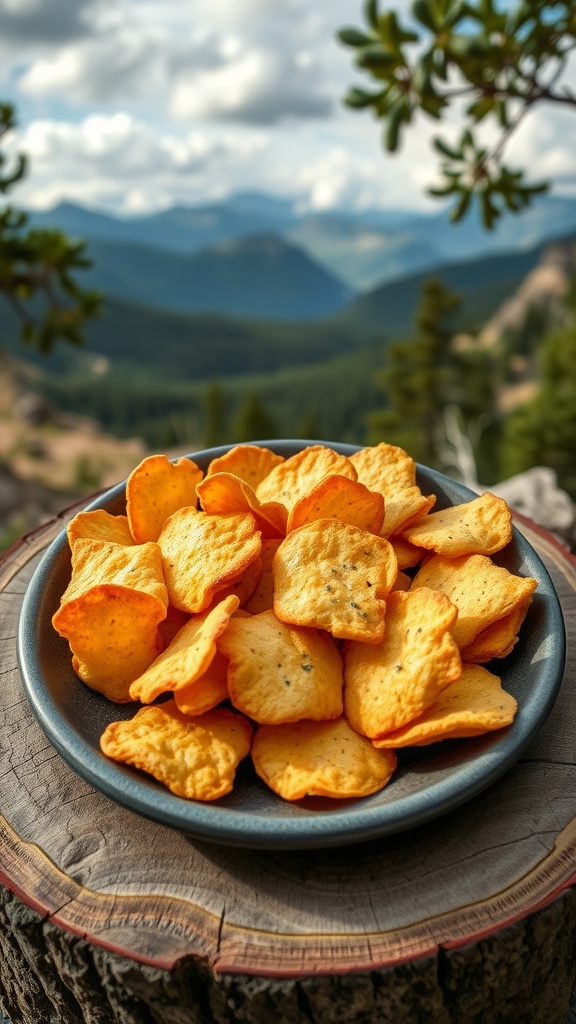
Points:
[[428, 782]]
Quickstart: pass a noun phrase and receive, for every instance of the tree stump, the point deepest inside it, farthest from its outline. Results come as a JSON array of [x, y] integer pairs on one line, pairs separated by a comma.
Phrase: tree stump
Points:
[[108, 918]]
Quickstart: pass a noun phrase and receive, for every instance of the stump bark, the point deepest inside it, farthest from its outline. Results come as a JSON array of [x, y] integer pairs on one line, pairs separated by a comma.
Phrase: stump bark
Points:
[[108, 918]]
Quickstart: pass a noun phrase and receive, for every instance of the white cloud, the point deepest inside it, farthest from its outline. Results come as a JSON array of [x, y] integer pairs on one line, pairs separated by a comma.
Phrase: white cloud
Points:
[[257, 86], [543, 145], [116, 65], [124, 163], [361, 175], [135, 102], [46, 21], [335, 179], [253, 61]]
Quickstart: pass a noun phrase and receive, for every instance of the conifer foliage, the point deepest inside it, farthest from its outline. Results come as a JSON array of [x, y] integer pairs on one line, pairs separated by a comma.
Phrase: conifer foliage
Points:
[[37, 267]]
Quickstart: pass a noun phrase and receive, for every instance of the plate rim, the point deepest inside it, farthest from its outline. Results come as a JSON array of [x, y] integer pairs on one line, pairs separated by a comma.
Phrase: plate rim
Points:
[[242, 828]]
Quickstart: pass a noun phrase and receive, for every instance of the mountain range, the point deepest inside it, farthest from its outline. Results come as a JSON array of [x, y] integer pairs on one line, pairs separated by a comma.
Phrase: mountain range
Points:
[[358, 250], [258, 276], [265, 300], [256, 303]]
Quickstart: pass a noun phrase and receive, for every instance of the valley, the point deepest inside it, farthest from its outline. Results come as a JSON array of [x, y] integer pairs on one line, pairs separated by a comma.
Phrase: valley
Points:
[[238, 321]]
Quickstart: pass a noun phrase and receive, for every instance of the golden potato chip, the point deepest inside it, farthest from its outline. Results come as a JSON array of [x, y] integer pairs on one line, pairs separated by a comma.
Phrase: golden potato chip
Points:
[[335, 577], [138, 567], [390, 471], [156, 489], [478, 527], [482, 591], [195, 758], [498, 639], [207, 691], [244, 586], [99, 525], [202, 553], [223, 492], [384, 468], [187, 657], [403, 507], [263, 597], [250, 462], [313, 546], [407, 554], [402, 581], [392, 683], [113, 635], [339, 497], [279, 673], [473, 705], [319, 759], [172, 624], [296, 476]]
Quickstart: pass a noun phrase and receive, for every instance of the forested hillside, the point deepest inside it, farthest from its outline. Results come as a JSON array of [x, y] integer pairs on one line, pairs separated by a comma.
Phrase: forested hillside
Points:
[[181, 380], [261, 276]]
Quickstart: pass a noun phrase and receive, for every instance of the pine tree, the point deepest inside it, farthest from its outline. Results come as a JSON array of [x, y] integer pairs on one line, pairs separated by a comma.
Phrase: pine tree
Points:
[[254, 421], [37, 268], [215, 416], [418, 379], [543, 432]]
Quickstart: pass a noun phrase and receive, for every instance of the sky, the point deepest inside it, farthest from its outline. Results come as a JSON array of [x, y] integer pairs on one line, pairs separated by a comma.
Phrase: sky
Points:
[[133, 106]]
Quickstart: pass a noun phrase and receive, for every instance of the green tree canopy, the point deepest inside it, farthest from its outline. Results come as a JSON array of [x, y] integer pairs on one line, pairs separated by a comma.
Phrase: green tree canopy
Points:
[[37, 267], [425, 376], [254, 421], [543, 432], [499, 61], [216, 416], [416, 378]]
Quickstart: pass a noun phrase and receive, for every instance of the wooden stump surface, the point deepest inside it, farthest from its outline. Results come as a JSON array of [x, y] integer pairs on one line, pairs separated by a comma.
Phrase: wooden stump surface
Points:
[[96, 871]]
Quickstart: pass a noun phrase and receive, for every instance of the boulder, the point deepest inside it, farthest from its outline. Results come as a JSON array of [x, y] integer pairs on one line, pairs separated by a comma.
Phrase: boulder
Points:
[[536, 495]]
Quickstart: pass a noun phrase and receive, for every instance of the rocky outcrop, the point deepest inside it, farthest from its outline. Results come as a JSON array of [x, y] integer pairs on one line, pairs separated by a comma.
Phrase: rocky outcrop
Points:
[[544, 287], [536, 495]]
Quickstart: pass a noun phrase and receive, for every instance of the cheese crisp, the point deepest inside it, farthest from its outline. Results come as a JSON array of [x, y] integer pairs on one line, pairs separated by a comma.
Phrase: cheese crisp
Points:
[[99, 525], [338, 497], [206, 692], [156, 489], [391, 472], [483, 592], [187, 657], [279, 673], [317, 596], [194, 757], [479, 527], [335, 577], [394, 682], [320, 759], [299, 474], [98, 562], [202, 553], [249, 462], [471, 706], [113, 635], [223, 492]]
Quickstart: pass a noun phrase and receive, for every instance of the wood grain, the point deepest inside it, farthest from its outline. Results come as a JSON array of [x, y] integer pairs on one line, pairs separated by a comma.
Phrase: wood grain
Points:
[[101, 875]]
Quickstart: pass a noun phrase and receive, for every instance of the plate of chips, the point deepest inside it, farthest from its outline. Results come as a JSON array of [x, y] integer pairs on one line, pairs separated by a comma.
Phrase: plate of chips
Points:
[[291, 644]]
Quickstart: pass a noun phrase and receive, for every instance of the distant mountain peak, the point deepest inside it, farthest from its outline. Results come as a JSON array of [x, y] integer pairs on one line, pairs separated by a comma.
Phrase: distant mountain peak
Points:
[[265, 244], [364, 248], [260, 276]]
